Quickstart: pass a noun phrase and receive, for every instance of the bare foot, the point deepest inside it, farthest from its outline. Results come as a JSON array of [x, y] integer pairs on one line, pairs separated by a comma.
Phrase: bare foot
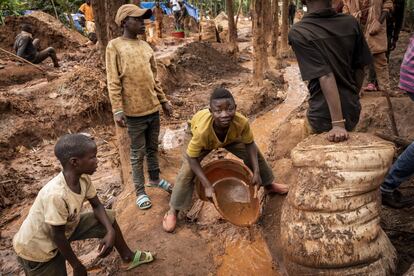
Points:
[[277, 188], [170, 221]]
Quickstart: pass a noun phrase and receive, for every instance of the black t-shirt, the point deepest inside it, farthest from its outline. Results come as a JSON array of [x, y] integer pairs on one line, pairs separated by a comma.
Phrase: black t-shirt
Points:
[[328, 42]]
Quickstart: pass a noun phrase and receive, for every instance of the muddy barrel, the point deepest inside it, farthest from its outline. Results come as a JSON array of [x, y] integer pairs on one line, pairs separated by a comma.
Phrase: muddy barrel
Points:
[[331, 220], [234, 195]]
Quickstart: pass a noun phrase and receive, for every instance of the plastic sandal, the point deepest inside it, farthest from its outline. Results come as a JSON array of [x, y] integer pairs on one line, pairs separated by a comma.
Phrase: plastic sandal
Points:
[[137, 259], [143, 202], [163, 184]]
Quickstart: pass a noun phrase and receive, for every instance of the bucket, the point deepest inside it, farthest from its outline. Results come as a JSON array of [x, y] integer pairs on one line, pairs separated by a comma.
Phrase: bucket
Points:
[[178, 34], [234, 196]]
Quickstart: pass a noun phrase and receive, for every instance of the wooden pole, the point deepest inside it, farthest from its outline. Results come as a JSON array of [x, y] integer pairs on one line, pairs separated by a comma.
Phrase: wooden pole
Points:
[[54, 8]]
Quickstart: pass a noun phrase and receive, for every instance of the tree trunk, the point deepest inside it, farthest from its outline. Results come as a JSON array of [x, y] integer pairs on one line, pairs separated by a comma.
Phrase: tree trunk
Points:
[[232, 26], [106, 29], [239, 9], [285, 24], [275, 33], [100, 26], [268, 19], [112, 6], [259, 47]]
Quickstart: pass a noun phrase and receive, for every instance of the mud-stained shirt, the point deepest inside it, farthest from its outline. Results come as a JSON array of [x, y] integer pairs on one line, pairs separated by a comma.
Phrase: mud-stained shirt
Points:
[[56, 204], [131, 71], [204, 137], [87, 11], [23, 45]]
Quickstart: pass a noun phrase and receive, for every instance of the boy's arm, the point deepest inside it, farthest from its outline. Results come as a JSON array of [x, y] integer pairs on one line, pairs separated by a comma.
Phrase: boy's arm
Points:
[[166, 107], [329, 89], [63, 245], [198, 171], [114, 85], [252, 153], [107, 243]]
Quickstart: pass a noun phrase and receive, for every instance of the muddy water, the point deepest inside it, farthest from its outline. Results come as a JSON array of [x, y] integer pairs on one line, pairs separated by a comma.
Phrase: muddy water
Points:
[[252, 257], [247, 257], [265, 125]]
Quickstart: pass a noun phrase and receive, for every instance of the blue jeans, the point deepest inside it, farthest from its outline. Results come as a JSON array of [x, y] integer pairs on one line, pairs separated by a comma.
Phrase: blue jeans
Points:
[[400, 171]]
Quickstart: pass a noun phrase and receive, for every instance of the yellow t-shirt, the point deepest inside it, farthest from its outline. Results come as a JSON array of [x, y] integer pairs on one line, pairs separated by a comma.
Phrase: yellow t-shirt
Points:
[[56, 204], [87, 11], [204, 137]]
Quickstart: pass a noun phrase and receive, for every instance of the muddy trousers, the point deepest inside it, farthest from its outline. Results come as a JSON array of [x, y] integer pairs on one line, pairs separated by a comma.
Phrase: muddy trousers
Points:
[[88, 228], [184, 183], [379, 71], [143, 132]]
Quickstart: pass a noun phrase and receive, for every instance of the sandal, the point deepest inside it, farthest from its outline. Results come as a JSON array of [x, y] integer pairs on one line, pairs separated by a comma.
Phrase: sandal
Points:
[[169, 222], [163, 184], [143, 202], [137, 259]]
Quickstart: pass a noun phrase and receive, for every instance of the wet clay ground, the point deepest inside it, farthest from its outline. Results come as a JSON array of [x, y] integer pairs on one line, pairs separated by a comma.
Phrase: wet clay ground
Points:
[[35, 112]]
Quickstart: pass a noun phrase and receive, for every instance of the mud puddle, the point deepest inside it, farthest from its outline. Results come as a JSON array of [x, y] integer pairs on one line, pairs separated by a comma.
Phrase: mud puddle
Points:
[[247, 257]]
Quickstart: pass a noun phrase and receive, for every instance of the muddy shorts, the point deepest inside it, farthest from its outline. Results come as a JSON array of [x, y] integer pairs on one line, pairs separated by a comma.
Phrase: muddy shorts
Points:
[[88, 228]]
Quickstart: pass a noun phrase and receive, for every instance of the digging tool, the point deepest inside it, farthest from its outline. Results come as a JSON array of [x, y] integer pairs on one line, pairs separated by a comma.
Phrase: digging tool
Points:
[[48, 76], [391, 113]]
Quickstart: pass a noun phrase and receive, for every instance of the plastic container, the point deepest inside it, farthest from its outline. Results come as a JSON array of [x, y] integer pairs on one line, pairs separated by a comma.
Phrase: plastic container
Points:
[[234, 196], [178, 34], [331, 220]]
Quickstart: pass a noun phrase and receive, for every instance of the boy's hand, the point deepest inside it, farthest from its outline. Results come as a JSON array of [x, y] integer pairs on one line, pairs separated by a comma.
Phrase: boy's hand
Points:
[[337, 134], [120, 119], [106, 244], [209, 191], [376, 28], [256, 179], [166, 107], [80, 271]]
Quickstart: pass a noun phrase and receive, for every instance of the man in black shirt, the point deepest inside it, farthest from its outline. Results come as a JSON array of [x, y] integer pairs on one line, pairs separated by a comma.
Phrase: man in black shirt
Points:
[[27, 47], [331, 51]]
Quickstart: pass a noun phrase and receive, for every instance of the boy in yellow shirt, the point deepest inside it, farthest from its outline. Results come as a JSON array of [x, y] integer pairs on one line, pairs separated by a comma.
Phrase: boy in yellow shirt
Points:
[[220, 126], [42, 243], [136, 97]]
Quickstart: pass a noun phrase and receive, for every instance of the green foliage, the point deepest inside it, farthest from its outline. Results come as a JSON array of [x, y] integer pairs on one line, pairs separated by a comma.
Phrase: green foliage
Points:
[[16, 7]]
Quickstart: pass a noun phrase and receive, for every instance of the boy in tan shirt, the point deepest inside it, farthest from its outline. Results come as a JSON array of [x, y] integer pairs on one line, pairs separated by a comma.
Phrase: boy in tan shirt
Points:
[[42, 243], [136, 97]]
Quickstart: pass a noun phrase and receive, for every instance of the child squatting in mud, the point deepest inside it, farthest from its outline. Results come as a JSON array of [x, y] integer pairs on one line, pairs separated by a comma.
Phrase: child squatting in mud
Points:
[[42, 243], [220, 126]]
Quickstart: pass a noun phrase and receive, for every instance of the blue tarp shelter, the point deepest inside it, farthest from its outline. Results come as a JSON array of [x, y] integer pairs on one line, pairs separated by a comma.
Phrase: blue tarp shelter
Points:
[[192, 11]]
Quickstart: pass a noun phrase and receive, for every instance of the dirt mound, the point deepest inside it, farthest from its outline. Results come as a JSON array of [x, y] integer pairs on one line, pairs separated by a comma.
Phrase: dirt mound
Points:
[[48, 109], [201, 59], [48, 29], [18, 74]]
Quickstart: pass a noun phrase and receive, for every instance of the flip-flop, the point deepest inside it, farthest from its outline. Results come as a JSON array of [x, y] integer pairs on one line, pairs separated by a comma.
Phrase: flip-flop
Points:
[[169, 222], [137, 259], [163, 184], [143, 202]]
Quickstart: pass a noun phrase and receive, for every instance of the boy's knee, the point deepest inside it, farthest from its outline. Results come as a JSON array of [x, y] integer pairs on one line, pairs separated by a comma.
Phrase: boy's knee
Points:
[[51, 50]]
